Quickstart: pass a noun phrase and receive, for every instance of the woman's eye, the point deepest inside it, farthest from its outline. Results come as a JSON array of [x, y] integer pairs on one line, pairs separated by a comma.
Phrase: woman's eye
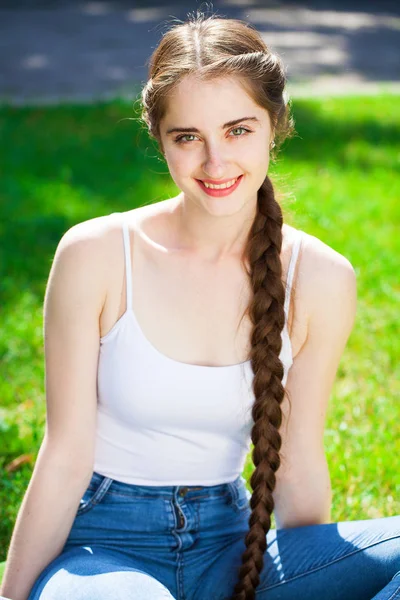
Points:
[[181, 139], [243, 128]]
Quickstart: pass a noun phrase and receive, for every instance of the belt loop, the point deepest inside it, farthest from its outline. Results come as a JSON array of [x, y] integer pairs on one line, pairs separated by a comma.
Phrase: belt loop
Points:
[[233, 491], [102, 490]]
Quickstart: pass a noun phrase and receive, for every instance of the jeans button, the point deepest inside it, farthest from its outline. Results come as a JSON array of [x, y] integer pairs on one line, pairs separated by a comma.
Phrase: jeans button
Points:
[[183, 491]]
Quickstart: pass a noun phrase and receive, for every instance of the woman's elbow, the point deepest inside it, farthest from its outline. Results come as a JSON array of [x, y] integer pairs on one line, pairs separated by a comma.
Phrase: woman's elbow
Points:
[[311, 505]]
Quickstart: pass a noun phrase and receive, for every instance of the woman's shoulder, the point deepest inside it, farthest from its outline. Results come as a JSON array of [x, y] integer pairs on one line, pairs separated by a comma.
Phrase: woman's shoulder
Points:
[[92, 231], [98, 238], [323, 274], [317, 255], [325, 287], [92, 247]]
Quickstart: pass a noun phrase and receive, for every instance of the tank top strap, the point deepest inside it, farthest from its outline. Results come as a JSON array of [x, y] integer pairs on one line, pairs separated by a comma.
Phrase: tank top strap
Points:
[[291, 269], [128, 263]]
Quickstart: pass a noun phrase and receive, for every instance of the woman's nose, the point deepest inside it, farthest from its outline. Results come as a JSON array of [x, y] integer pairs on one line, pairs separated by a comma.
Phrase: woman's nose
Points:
[[215, 164]]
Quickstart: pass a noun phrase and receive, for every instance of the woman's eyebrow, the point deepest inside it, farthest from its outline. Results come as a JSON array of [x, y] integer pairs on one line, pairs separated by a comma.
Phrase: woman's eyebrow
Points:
[[224, 126]]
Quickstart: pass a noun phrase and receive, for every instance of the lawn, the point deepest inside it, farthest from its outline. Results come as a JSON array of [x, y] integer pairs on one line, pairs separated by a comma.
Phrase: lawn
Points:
[[338, 180]]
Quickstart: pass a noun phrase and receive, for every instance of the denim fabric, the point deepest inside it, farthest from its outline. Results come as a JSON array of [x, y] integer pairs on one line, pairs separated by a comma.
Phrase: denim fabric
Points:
[[185, 543]]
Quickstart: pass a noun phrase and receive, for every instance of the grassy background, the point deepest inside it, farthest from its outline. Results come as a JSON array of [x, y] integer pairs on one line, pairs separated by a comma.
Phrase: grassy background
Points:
[[339, 180]]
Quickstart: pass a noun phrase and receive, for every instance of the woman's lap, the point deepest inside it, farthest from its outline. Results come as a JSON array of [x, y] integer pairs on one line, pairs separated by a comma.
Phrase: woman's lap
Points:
[[86, 574], [351, 560], [144, 542], [346, 561]]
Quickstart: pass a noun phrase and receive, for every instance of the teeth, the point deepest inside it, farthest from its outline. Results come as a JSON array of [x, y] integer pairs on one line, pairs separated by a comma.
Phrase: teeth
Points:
[[222, 186]]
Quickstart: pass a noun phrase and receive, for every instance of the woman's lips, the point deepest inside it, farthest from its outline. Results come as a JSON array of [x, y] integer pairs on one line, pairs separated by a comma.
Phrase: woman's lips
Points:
[[219, 193]]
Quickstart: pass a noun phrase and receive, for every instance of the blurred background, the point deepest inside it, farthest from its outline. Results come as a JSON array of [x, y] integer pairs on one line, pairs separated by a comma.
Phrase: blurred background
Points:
[[70, 74], [74, 49]]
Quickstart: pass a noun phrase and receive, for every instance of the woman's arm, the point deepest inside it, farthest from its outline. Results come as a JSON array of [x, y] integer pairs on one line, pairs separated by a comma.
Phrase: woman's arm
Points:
[[326, 289], [73, 303]]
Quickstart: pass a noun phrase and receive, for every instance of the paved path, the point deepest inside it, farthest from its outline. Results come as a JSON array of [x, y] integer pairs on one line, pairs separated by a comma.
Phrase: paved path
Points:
[[86, 50]]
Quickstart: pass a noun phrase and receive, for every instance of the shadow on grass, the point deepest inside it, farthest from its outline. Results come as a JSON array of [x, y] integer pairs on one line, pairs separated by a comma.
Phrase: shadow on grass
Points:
[[326, 129], [64, 165]]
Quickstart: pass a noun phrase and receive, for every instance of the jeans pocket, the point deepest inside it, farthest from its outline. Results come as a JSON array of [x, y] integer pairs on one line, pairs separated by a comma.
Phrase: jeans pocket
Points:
[[94, 493], [240, 495]]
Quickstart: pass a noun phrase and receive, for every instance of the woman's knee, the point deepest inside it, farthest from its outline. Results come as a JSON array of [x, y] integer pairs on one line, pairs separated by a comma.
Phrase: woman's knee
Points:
[[90, 574], [121, 585]]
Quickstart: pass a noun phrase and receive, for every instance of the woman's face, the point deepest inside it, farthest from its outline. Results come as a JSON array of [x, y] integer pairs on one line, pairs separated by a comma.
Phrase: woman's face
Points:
[[216, 142]]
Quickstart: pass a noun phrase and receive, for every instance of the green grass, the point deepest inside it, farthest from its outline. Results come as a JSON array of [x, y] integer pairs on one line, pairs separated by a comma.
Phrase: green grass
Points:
[[339, 180]]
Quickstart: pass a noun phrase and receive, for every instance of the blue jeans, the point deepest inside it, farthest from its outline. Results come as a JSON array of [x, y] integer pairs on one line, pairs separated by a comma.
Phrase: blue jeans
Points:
[[136, 542]]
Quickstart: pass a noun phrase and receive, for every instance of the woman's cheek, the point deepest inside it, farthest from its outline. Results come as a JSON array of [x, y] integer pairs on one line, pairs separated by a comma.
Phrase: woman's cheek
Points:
[[183, 165]]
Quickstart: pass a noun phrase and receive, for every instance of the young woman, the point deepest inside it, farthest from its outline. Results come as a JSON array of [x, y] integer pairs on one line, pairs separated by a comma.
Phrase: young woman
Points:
[[176, 334]]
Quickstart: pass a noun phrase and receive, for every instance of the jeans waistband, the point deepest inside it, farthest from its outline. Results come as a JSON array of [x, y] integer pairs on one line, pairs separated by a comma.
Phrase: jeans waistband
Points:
[[167, 491]]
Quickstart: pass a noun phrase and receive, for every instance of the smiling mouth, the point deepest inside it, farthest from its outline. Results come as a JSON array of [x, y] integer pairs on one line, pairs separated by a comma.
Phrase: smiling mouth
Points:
[[224, 189], [222, 186]]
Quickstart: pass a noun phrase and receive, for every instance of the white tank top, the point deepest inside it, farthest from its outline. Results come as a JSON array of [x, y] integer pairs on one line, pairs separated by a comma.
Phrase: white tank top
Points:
[[165, 422]]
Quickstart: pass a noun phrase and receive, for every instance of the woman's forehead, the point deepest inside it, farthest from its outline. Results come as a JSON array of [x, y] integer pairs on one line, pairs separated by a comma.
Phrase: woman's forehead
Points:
[[191, 84], [209, 102]]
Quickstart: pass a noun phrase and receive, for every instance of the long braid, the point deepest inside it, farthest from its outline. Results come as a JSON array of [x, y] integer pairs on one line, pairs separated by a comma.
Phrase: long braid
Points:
[[266, 312], [210, 48]]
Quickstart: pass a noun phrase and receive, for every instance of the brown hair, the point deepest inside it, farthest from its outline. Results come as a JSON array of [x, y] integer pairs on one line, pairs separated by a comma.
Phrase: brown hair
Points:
[[210, 47]]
